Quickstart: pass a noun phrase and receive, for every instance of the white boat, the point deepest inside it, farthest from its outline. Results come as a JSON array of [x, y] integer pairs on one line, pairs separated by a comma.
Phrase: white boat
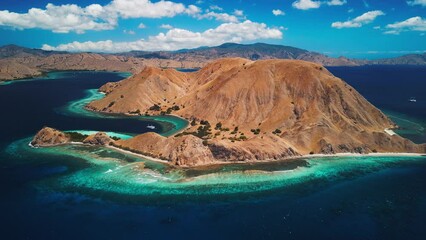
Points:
[[413, 99], [150, 126]]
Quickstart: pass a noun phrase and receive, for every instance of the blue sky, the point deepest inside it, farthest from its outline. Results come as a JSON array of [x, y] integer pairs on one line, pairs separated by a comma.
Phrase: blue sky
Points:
[[353, 28]]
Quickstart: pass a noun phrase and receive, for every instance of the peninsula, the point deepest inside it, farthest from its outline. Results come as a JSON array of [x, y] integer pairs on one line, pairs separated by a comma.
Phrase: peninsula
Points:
[[246, 111]]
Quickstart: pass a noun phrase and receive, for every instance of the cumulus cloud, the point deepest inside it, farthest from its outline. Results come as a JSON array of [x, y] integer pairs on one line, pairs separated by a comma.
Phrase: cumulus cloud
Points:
[[216, 7], [306, 4], [73, 18], [417, 2], [238, 12], [166, 26], [310, 4], [61, 19], [145, 8], [278, 12], [176, 38], [357, 22], [223, 17], [131, 32], [336, 2], [411, 24]]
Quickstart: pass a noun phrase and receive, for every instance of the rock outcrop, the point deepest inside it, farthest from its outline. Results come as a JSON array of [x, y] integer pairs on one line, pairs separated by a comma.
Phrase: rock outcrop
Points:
[[186, 150], [49, 137], [99, 138]]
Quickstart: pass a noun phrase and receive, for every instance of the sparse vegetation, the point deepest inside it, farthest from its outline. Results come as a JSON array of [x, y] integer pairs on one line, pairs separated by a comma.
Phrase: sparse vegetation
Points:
[[255, 131], [76, 137], [135, 112], [155, 107], [204, 122], [235, 130], [203, 131], [277, 131]]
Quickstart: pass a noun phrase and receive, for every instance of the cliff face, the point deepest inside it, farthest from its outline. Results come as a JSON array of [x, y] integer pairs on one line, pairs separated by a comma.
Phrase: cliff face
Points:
[[246, 110]]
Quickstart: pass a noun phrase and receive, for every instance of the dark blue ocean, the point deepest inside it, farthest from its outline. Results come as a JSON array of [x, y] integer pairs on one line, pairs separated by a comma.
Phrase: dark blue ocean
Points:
[[347, 199]]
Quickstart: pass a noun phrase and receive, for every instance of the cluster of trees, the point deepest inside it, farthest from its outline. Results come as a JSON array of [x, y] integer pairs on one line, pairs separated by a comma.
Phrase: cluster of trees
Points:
[[277, 131], [255, 131]]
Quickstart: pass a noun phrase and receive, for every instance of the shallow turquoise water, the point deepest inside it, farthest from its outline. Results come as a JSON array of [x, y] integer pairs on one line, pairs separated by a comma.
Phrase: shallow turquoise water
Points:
[[170, 124], [120, 173]]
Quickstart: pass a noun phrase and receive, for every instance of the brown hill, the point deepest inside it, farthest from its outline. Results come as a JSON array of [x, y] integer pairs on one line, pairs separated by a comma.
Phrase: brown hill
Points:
[[267, 109], [25, 64]]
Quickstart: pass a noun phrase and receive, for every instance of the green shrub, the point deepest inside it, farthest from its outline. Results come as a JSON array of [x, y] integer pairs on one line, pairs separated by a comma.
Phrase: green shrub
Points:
[[155, 107], [76, 137]]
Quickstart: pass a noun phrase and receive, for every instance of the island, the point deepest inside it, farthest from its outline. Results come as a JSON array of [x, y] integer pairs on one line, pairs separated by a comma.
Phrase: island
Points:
[[242, 111]]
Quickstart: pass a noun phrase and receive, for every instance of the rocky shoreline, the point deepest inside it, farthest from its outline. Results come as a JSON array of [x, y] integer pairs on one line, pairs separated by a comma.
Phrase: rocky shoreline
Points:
[[292, 109]]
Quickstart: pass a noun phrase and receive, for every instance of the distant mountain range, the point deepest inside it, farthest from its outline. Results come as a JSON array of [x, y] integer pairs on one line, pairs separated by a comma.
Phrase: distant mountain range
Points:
[[254, 51], [20, 62]]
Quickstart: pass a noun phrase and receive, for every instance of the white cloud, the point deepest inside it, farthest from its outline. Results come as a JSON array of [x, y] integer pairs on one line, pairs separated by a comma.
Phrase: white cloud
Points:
[[141, 26], [166, 26], [73, 18], [357, 22], [61, 19], [145, 8], [392, 32], [129, 32], [310, 4], [176, 38], [216, 7], [336, 2], [238, 12], [306, 4], [411, 24], [278, 12], [417, 2], [223, 17], [192, 10]]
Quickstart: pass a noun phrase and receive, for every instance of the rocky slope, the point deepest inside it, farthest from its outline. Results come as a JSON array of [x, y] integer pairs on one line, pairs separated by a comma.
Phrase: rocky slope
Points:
[[99, 138], [243, 110], [49, 137]]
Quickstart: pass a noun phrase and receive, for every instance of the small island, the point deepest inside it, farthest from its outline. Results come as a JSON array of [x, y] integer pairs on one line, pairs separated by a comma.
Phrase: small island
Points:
[[245, 111]]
